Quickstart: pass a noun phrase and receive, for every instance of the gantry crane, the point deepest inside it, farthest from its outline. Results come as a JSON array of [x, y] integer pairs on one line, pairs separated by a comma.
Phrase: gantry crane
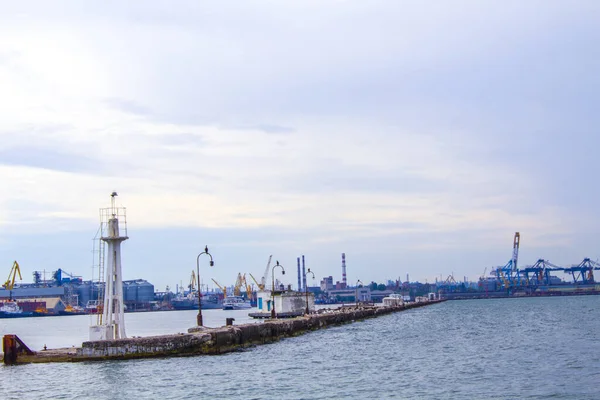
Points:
[[10, 282], [223, 288], [584, 271]]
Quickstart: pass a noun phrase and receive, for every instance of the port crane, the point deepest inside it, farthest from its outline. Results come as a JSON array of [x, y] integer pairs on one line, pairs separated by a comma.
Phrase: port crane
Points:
[[263, 281], [239, 282], [509, 274], [223, 288], [12, 276], [255, 281], [192, 284], [249, 291], [541, 272], [584, 271]]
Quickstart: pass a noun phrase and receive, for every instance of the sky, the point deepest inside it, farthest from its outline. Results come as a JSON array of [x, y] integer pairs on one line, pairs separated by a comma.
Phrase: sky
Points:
[[416, 137]]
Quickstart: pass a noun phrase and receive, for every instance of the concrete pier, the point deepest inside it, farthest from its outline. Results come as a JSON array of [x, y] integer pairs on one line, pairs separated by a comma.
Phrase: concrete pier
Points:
[[201, 340]]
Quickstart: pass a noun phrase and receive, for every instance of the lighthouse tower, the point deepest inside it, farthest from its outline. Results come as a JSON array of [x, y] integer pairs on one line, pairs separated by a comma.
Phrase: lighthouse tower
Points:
[[111, 322]]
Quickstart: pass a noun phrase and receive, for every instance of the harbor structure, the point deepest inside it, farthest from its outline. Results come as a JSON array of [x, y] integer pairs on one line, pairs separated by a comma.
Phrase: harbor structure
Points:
[[77, 297], [198, 340], [111, 320], [286, 303]]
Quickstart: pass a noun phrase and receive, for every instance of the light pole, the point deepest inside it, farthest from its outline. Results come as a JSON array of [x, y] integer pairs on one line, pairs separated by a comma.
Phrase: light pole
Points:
[[212, 263], [356, 294], [306, 289], [273, 315]]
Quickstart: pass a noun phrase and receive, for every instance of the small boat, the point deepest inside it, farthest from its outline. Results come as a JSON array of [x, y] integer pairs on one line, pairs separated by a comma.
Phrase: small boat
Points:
[[93, 307], [10, 309], [236, 303], [72, 310]]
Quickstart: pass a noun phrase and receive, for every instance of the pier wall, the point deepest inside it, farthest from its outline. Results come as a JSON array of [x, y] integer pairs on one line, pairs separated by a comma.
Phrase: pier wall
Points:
[[201, 340]]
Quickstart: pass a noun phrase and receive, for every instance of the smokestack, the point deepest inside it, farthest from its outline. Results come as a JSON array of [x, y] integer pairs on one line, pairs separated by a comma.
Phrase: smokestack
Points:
[[344, 270], [303, 274], [299, 277]]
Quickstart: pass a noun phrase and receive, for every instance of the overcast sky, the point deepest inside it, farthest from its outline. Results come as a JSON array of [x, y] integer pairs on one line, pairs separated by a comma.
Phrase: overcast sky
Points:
[[415, 136]]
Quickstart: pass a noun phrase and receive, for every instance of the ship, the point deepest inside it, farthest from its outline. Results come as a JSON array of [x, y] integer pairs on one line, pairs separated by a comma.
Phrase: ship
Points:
[[236, 303], [10, 309], [72, 310], [190, 302]]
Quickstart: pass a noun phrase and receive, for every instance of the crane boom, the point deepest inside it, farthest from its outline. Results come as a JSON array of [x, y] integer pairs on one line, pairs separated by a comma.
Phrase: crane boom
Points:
[[248, 288], [263, 280], [515, 256], [239, 282], [193, 281], [224, 289], [10, 282], [257, 284]]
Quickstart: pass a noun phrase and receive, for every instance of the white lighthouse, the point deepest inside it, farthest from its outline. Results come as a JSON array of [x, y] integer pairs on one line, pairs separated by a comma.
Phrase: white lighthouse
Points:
[[111, 322]]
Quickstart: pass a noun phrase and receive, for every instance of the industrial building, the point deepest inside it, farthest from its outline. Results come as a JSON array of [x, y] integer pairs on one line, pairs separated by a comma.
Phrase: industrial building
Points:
[[137, 294]]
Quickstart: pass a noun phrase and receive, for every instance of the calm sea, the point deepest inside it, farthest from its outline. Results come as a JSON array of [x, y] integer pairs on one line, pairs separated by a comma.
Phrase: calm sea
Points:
[[533, 348]]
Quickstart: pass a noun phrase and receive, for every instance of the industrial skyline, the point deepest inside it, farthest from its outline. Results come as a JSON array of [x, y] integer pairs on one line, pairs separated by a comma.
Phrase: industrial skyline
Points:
[[413, 141]]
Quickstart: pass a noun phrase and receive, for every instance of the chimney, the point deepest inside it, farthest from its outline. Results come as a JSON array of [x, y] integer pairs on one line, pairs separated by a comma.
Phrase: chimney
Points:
[[303, 273], [344, 282], [299, 277]]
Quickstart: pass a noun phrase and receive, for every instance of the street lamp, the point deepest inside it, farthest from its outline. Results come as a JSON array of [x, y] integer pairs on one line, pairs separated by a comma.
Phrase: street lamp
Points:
[[212, 263], [273, 286], [306, 289], [356, 293]]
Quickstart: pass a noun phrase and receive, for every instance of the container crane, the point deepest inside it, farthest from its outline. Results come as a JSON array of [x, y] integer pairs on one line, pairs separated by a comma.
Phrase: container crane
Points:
[[10, 282], [223, 288], [584, 271], [540, 272]]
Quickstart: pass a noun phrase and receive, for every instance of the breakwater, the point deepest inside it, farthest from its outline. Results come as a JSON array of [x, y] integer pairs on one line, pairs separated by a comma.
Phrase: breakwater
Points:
[[201, 340]]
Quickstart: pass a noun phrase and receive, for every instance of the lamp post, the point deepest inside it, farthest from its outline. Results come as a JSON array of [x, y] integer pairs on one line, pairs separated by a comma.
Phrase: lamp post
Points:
[[356, 293], [212, 263], [273, 315], [306, 289]]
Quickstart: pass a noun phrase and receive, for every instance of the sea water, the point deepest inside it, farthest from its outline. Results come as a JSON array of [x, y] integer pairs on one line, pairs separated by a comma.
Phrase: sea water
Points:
[[525, 348]]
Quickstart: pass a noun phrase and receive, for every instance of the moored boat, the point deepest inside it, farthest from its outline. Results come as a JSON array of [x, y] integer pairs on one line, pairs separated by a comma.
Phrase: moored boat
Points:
[[190, 302], [10, 309], [236, 303]]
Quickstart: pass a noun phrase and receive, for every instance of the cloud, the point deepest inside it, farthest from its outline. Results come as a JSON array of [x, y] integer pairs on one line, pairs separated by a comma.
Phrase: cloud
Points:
[[308, 126], [128, 106], [268, 128], [47, 159]]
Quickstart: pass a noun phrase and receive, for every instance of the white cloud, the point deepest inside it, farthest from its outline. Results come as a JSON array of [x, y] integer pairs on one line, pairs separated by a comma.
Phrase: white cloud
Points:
[[338, 120]]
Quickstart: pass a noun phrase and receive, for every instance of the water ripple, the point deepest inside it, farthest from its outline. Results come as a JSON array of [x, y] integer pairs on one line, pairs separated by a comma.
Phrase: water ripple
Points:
[[534, 348]]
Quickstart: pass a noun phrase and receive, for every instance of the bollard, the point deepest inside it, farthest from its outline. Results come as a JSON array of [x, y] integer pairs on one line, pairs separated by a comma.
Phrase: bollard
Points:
[[229, 321]]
